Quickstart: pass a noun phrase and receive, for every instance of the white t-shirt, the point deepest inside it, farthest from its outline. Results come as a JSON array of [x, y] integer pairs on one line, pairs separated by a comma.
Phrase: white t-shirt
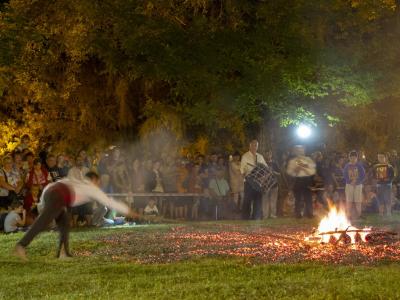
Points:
[[249, 162], [11, 221]]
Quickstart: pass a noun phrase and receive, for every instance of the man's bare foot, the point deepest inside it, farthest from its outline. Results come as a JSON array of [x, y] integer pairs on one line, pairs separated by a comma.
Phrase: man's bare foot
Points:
[[20, 252], [64, 254]]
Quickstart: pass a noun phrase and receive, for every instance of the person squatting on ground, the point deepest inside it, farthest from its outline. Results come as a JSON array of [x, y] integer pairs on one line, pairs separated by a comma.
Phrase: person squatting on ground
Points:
[[13, 221], [384, 175], [56, 198], [354, 175]]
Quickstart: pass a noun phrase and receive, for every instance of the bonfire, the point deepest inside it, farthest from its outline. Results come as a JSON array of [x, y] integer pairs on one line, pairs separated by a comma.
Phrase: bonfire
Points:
[[336, 228]]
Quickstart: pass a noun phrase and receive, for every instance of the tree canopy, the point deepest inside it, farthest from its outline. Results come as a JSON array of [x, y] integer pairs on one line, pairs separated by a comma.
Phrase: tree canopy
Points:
[[78, 71]]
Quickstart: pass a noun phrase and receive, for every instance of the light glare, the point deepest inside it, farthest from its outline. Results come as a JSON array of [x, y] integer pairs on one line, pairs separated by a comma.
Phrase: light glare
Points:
[[303, 131]]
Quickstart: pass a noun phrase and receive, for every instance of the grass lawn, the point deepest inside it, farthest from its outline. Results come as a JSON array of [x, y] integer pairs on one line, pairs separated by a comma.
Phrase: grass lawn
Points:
[[109, 263]]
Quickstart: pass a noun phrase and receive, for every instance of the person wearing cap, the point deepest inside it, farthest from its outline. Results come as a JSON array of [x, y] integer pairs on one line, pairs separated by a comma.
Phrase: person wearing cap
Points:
[[354, 175]]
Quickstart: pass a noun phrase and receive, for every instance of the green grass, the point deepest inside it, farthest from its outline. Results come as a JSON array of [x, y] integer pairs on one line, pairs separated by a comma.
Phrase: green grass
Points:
[[102, 277]]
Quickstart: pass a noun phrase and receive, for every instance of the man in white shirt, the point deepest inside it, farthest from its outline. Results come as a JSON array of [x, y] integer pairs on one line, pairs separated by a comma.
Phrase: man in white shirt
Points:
[[252, 197], [57, 197], [302, 168]]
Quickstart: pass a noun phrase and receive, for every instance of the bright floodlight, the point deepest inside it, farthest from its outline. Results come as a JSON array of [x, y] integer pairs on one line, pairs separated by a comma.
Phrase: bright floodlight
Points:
[[303, 131]]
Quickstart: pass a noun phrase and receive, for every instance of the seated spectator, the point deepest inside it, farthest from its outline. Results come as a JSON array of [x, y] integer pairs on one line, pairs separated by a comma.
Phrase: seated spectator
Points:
[[13, 219], [10, 183], [151, 208]]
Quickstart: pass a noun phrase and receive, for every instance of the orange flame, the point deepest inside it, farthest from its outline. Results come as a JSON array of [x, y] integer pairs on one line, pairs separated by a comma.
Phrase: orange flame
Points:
[[334, 224]]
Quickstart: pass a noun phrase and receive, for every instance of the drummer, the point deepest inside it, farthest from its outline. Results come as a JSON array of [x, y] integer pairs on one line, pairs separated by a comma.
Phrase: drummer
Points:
[[252, 197], [302, 168]]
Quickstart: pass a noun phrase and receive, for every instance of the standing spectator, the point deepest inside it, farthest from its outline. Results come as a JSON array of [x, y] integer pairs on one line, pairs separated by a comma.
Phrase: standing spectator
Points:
[[18, 164], [222, 166], [85, 159], [156, 178], [354, 175], [252, 197], [28, 161], [62, 166], [38, 176], [338, 177], [79, 170], [24, 145], [302, 169], [213, 165], [200, 159], [178, 205], [149, 182], [219, 191], [137, 179], [47, 148], [270, 198], [236, 181], [384, 174], [120, 177], [53, 169], [194, 184]]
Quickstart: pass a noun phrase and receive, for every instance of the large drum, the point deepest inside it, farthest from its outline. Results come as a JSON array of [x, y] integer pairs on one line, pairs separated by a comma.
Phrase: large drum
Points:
[[261, 178]]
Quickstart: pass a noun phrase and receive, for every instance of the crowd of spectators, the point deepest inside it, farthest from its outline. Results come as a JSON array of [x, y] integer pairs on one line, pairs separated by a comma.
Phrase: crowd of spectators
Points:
[[160, 186]]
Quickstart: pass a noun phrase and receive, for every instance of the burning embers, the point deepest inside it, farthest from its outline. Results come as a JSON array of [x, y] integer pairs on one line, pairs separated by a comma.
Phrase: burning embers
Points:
[[335, 228]]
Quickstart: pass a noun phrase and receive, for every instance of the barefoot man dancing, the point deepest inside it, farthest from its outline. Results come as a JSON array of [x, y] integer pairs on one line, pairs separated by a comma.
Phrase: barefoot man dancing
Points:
[[56, 198]]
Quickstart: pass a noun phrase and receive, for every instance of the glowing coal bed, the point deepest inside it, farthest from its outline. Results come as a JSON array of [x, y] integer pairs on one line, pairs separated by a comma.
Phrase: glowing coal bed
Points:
[[253, 243]]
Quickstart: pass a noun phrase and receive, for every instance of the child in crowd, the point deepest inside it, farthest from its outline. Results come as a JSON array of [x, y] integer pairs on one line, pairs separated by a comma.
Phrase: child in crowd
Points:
[[13, 220], [150, 212], [151, 208], [354, 175]]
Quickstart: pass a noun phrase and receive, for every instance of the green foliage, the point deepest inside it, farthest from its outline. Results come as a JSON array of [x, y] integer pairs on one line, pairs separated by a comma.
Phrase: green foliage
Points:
[[94, 66]]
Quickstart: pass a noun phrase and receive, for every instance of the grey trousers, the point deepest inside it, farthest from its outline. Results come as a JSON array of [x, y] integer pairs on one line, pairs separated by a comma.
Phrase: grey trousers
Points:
[[269, 202]]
